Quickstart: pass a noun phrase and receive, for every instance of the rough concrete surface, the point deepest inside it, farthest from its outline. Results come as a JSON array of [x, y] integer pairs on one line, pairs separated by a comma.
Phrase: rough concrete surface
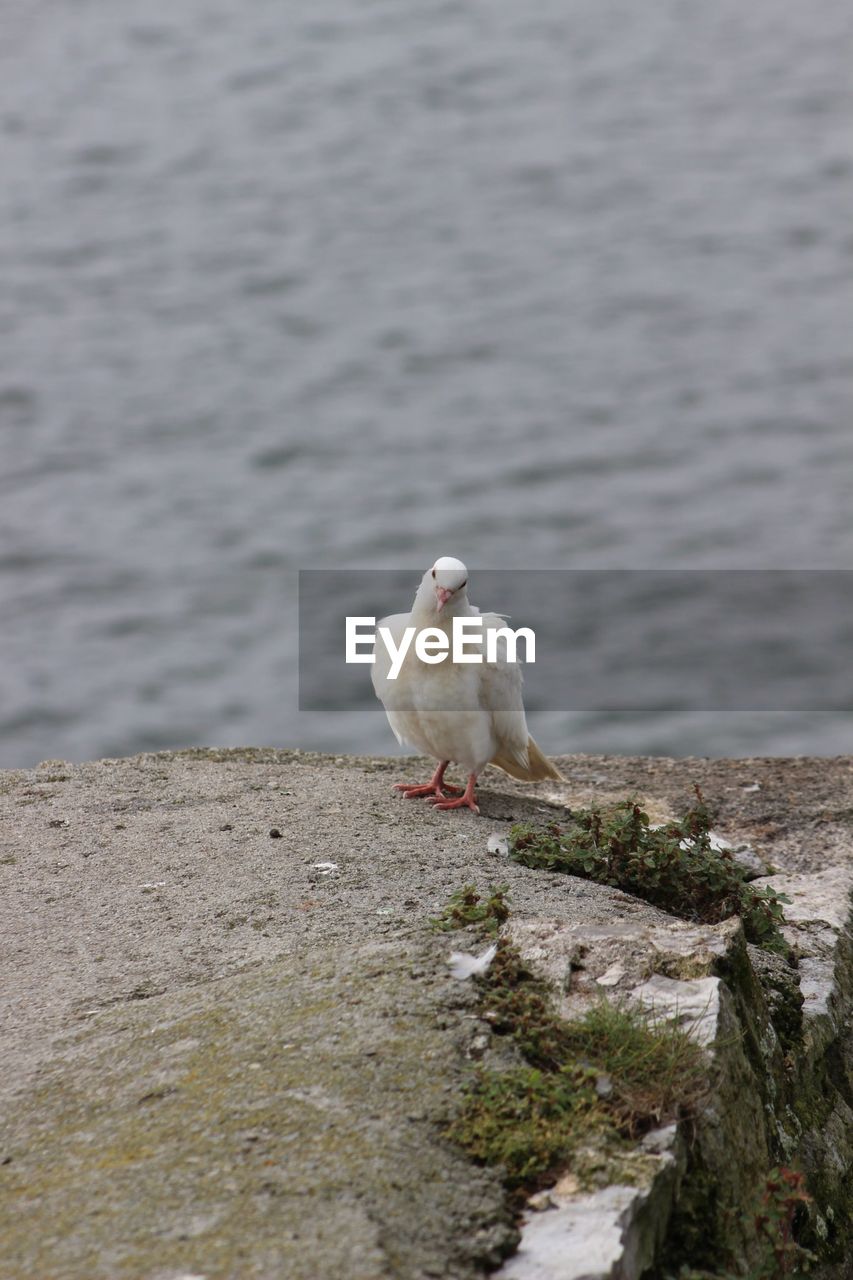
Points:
[[230, 1039]]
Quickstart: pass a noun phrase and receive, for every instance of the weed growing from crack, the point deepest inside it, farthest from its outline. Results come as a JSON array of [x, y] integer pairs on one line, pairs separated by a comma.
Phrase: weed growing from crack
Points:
[[529, 1122], [783, 1199], [772, 1222], [655, 1072], [466, 906], [598, 1082], [673, 866]]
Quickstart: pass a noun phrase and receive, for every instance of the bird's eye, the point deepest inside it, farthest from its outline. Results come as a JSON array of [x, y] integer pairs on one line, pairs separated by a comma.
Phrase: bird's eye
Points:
[[462, 584], [433, 573]]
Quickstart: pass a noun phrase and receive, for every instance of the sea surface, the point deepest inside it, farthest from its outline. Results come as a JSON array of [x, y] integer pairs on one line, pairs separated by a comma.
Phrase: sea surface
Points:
[[354, 285]]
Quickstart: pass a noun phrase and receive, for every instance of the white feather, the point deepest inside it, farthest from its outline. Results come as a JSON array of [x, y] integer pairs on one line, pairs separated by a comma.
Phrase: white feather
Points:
[[463, 965]]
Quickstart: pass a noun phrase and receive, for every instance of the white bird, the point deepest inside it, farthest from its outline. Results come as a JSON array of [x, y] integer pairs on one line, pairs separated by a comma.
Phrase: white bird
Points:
[[469, 713]]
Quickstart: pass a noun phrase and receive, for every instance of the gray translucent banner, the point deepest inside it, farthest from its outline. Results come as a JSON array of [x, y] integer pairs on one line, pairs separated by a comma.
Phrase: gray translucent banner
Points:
[[616, 640]]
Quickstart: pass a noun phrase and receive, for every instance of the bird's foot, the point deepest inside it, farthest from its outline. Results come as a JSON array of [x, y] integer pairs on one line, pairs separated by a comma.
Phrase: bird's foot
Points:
[[464, 801], [436, 787], [412, 791]]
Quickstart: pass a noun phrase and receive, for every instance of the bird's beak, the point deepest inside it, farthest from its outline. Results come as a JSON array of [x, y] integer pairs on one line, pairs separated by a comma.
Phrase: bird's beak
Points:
[[442, 595]]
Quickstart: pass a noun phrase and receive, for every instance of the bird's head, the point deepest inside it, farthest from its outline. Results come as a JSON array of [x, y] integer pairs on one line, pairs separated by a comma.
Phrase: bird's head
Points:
[[443, 586]]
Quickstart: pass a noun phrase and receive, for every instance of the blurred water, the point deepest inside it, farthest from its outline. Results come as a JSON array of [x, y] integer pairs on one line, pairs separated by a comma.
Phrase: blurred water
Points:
[[291, 286]]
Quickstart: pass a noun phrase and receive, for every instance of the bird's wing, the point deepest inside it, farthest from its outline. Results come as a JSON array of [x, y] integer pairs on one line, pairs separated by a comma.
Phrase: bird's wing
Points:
[[396, 624], [384, 688], [500, 694]]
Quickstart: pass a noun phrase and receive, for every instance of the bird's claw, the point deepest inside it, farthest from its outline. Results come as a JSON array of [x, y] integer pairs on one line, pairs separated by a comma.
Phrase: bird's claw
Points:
[[412, 791], [463, 802], [437, 791]]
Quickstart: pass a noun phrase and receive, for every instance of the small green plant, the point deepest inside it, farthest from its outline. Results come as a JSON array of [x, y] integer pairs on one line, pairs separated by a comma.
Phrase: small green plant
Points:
[[585, 1090], [672, 866], [656, 1072], [466, 906], [653, 1068], [605, 1078], [772, 1222], [519, 1004], [783, 1199], [529, 1121]]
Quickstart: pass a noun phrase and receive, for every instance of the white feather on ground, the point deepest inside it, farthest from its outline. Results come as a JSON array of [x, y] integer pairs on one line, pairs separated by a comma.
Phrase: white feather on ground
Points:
[[464, 965]]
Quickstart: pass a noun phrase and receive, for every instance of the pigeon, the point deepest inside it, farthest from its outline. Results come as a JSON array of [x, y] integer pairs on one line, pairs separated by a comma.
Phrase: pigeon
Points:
[[471, 714]]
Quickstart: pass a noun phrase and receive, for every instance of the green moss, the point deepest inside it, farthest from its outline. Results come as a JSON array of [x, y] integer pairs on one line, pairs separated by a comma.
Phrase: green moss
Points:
[[529, 1121], [466, 907], [197, 1119], [584, 1090], [519, 1004], [673, 866], [656, 1072], [602, 1080], [771, 1220], [653, 1068]]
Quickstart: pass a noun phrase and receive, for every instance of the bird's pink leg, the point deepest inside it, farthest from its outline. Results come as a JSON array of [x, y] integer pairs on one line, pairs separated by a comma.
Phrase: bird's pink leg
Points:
[[465, 801], [435, 787]]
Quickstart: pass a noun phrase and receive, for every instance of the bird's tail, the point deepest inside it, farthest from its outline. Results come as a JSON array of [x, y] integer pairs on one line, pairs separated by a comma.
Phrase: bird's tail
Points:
[[537, 768]]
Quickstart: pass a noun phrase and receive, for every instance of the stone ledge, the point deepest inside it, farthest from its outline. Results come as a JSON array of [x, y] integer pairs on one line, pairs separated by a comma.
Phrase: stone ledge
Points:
[[166, 952], [616, 1233]]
